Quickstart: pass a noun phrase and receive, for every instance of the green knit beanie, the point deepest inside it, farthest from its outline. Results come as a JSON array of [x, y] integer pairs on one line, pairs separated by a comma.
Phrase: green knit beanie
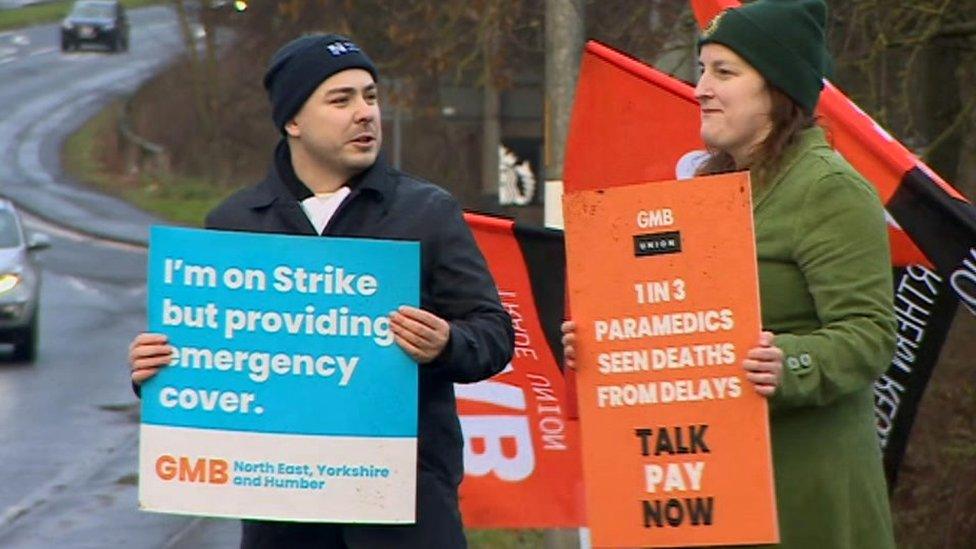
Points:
[[782, 39]]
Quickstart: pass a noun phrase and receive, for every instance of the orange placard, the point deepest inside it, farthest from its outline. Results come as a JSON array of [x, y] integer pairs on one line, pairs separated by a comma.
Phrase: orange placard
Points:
[[663, 286]]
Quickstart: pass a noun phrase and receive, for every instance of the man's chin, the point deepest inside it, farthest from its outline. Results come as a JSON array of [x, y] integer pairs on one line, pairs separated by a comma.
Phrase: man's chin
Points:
[[362, 161]]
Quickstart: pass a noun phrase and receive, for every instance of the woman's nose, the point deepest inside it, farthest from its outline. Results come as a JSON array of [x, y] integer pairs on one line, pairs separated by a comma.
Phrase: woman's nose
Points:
[[703, 87]]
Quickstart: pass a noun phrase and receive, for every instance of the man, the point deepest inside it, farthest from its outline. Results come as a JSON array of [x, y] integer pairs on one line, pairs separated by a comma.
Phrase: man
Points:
[[328, 178]]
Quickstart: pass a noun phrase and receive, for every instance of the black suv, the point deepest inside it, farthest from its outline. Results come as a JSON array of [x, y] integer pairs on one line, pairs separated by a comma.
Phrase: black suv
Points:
[[96, 22]]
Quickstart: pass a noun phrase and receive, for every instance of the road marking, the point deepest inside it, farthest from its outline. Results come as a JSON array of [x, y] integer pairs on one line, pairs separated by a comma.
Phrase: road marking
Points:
[[12, 513], [79, 284], [42, 51]]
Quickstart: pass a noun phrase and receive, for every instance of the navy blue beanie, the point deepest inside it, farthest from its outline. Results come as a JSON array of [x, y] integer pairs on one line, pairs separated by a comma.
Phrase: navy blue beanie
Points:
[[301, 65]]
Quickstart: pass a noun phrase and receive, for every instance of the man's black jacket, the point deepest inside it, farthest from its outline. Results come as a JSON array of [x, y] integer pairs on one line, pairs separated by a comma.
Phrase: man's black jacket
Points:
[[455, 282]]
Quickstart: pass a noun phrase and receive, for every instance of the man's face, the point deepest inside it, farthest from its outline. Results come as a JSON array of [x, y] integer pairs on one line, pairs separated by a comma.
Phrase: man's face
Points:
[[339, 125]]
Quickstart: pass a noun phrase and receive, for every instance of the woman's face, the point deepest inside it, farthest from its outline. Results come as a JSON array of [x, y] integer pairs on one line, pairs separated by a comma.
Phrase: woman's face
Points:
[[735, 103]]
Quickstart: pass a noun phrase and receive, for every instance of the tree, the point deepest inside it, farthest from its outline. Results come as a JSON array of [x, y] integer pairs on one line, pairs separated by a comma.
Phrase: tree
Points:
[[908, 64]]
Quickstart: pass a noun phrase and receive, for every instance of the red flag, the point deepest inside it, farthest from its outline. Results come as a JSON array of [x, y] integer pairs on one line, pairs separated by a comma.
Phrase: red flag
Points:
[[521, 453]]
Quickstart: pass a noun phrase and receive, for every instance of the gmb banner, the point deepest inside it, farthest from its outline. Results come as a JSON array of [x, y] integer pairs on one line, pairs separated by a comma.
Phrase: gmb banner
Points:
[[521, 443], [287, 397], [664, 290]]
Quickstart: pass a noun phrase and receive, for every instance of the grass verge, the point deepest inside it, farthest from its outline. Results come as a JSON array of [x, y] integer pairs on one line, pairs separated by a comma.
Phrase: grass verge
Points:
[[50, 11], [88, 157]]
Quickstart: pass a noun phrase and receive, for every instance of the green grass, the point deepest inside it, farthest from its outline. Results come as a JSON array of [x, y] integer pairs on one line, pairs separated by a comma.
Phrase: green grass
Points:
[[78, 154], [504, 539], [179, 199], [48, 12], [183, 201]]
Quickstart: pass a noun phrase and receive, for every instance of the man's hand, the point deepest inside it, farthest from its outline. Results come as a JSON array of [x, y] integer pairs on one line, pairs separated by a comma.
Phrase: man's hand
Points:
[[421, 334], [147, 354]]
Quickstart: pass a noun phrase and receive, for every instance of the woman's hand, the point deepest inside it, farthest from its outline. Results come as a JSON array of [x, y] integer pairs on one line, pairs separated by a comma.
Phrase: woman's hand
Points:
[[147, 354], [764, 365], [568, 328]]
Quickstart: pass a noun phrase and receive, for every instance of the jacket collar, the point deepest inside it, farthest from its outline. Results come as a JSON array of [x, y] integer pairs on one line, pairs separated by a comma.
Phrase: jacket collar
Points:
[[281, 184], [807, 140]]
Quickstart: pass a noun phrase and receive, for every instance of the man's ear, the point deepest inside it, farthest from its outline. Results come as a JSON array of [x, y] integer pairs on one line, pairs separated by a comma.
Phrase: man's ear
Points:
[[292, 129]]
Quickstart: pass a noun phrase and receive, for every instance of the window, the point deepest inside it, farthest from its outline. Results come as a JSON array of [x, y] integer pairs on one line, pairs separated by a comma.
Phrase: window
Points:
[[9, 230]]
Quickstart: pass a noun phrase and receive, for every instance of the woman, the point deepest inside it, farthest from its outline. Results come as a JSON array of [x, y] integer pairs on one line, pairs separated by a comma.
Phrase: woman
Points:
[[824, 271]]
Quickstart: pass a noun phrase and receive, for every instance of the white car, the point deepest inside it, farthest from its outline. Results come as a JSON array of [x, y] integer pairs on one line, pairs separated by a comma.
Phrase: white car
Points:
[[20, 283]]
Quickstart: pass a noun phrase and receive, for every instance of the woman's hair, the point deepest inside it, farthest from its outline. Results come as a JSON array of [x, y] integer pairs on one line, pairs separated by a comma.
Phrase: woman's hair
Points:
[[788, 120]]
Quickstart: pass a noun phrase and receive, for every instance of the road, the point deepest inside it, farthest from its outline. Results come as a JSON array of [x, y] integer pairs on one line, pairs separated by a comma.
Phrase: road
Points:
[[14, 4], [69, 422]]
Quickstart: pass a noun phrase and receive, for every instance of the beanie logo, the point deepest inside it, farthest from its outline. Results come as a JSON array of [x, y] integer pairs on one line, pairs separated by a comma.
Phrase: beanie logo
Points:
[[713, 25], [341, 48]]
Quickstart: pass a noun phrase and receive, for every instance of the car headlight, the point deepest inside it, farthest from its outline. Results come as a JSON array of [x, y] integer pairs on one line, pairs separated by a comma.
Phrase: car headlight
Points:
[[9, 281], [67, 26], [110, 27]]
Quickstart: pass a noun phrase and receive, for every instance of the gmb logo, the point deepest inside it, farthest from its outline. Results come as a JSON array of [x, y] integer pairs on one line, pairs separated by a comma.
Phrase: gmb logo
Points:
[[186, 469]]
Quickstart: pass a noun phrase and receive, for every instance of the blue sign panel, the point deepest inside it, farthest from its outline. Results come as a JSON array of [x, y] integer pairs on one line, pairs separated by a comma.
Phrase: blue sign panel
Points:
[[281, 334]]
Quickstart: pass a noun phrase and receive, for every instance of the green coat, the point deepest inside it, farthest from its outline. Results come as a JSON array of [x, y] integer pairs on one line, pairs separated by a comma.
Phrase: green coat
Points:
[[826, 292]]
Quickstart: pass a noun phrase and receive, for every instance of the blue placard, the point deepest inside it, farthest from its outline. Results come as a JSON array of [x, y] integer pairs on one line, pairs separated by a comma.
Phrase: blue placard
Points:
[[281, 334]]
